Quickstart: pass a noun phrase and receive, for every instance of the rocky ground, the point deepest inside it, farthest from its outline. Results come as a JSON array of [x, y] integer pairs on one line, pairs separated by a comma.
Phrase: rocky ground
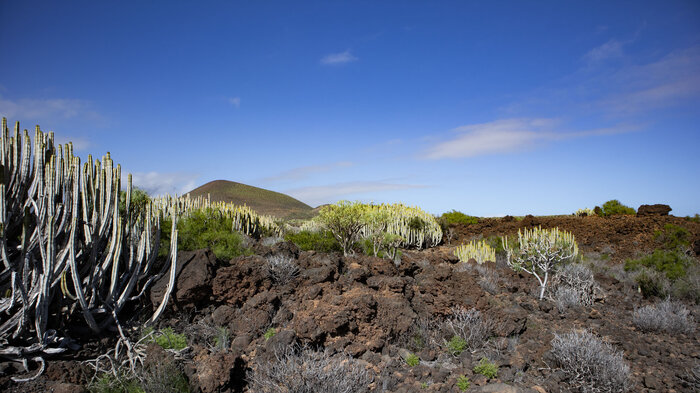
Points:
[[380, 313]]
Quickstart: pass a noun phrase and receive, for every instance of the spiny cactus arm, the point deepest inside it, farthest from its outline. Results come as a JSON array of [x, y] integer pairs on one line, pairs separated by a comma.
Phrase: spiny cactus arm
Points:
[[173, 269], [75, 276], [42, 308]]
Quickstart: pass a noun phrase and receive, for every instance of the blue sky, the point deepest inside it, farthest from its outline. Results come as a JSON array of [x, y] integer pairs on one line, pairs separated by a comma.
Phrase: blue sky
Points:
[[491, 108]]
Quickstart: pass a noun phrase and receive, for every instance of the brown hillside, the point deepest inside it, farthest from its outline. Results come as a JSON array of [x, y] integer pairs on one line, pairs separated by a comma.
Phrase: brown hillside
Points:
[[261, 200]]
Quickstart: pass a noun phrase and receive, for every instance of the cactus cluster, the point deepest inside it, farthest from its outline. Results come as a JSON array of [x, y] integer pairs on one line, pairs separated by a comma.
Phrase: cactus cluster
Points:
[[585, 212], [477, 250], [244, 218], [66, 250], [418, 228]]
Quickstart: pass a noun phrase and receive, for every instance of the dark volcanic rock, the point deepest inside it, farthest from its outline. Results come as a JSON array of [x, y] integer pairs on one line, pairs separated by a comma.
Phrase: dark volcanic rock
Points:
[[195, 271], [654, 210]]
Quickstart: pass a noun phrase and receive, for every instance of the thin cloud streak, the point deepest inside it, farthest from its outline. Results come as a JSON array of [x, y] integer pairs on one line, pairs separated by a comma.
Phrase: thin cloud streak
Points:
[[671, 80], [38, 109], [159, 183], [317, 195], [306, 171], [235, 101], [610, 49], [508, 136], [338, 58]]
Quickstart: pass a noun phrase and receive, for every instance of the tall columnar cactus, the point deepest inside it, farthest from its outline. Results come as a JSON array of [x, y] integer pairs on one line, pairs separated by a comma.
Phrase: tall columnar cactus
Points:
[[477, 250], [244, 218], [540, 251], [64, 246]]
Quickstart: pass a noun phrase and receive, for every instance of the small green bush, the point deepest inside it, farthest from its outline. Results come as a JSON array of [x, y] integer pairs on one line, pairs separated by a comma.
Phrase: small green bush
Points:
[[317, 241], [417, 223], [652, 283], [168, 339], [486, 368], [673, 237], [205, 229], [463, 383], [412, 360], [695, 218], [673, 263], [456, 345], [269, 333], [138, 204], [614, 207], [455, 217], [108, 383]]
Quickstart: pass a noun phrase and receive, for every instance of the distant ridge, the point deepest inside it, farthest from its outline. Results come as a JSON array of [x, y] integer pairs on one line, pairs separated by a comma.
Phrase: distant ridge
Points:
[[261, 200]]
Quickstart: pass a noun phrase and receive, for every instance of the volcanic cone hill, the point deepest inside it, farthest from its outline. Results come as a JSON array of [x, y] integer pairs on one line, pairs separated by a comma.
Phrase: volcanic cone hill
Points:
[[259, 199]]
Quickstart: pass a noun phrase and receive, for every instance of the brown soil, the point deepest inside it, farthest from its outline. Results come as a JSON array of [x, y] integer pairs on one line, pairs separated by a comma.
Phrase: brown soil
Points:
[[369, 308]]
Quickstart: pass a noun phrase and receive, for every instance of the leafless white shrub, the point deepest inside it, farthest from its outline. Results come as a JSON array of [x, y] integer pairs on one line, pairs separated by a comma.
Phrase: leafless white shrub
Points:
[[489, 281], [303, 370], [566, 297], [575, 286], [282, 269], [668, 316], [591, 365], [271, 241], [469, 326]]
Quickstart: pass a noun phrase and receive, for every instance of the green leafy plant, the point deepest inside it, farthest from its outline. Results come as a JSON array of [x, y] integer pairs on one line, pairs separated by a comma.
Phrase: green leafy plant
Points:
[[486, 368], [672, 263], [455, 217], [269, 333], [207, 228], [109, 383], [613, 207], [322, 241], [168, 339], [456, 345], [345, 220], [463, 383], [673, 237], [412, 360]]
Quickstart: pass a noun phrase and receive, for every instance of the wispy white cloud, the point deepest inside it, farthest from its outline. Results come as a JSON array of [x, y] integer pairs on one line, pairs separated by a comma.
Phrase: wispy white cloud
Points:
[[672, 79], [159, 183], [235, 101], [40, 109], [508, 136], [608, 50], [338, 58], [317, 195], [306, 171]]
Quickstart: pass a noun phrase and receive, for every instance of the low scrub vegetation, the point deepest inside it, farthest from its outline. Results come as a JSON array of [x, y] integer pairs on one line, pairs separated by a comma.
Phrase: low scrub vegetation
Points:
[[305, 370], [455, 217], [613, 207], [282, 269], [575, 286], [322, 241], [590, 364], [352, 221], [166, 338], [466, 329], [486, 368], [207, 228], [666, 316]]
